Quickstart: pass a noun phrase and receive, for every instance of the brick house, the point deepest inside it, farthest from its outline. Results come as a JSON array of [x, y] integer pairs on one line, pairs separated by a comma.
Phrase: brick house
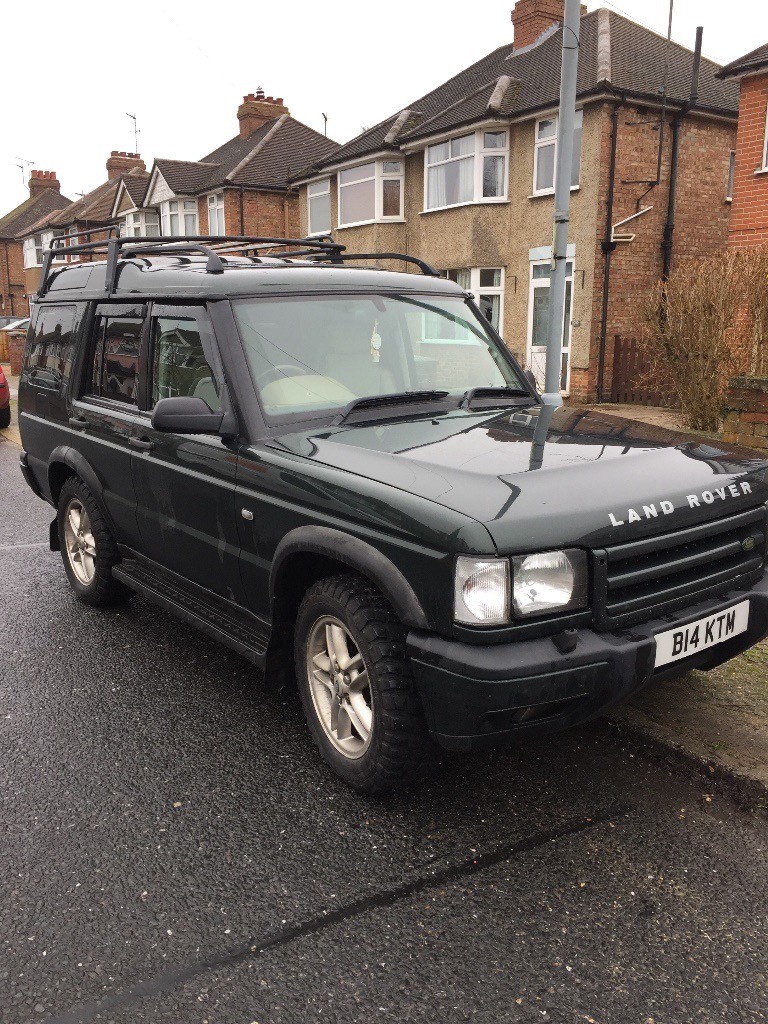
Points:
[[749, 173], [243, 187], [90, 213], [463, 177], [45, 199]]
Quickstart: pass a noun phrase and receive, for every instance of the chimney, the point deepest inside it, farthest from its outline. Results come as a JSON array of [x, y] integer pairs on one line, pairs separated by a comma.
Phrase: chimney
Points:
[[121, 162], [532, 17], [40, 180], [256, 109]]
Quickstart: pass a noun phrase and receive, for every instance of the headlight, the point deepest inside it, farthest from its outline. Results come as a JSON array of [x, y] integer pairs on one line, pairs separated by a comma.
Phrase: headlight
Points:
[[481, 591], [550, 581]]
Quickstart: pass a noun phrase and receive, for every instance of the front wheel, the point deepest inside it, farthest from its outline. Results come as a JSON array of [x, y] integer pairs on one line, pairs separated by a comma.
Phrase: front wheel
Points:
[[356, 686]]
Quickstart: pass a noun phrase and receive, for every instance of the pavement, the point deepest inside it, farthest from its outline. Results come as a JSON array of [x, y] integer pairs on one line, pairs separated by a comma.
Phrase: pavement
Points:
[[173, 850]]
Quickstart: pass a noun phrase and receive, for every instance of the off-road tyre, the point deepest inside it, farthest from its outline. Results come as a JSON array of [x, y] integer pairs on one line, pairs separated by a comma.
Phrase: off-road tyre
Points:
[[103, 590], [400, 750]]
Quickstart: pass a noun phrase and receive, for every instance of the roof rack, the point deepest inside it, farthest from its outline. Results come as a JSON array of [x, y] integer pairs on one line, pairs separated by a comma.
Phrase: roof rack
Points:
[[115, 247]]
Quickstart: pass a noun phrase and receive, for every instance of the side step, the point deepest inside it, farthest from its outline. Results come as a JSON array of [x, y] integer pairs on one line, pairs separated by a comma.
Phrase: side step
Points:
[[230, 625]]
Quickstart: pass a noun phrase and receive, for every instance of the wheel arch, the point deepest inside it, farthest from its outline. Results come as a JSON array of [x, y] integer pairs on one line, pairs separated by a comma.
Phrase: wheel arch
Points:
[[65, 462], [332, 550]]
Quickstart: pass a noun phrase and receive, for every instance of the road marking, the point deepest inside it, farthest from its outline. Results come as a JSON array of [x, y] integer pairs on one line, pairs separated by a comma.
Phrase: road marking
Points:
[[12, 547], [254, 947]]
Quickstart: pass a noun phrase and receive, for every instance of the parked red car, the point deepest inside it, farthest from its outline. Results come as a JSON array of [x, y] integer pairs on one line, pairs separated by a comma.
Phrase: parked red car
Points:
[[5, 401]]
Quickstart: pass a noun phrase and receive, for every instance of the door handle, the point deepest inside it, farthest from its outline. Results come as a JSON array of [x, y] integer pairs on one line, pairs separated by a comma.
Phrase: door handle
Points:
[[78, 421], [144, 446]]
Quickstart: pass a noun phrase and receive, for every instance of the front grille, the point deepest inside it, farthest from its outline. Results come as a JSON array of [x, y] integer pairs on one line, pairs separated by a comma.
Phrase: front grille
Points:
[[646, 578]]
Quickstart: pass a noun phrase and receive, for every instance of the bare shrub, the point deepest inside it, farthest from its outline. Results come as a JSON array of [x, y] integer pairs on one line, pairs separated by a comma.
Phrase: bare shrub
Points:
[[708, 322]]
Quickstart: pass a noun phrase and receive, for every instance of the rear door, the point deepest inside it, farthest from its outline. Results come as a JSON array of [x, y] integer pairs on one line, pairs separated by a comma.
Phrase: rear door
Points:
[[185, 484], [103, 419]]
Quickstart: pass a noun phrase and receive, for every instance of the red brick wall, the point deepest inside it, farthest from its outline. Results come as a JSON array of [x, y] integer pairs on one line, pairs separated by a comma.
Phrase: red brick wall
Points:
[[271, 214], [12, 293], [749, 210], [701, 219]]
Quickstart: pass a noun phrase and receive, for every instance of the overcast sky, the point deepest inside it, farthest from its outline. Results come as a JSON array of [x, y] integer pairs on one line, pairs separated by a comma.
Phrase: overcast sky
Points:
[[182, 69]]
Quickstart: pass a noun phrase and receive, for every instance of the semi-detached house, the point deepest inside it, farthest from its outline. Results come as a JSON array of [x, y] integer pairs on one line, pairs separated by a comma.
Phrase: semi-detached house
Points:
[[463, 177]]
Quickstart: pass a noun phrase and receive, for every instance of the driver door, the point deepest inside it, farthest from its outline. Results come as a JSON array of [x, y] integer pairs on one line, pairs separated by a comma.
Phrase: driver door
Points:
[[185, 484]]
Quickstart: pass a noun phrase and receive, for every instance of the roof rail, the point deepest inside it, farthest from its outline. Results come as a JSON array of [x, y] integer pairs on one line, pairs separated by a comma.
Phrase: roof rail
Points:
[[114, 247]]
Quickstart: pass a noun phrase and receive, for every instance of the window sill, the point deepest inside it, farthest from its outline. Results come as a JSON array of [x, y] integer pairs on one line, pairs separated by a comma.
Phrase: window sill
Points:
[[459, 206], [366, 223], [550, 192], [761, 170]]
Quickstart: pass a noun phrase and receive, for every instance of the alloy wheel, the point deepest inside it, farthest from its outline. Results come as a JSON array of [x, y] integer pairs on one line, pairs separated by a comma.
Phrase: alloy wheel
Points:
[[340, 687], [80, 542]]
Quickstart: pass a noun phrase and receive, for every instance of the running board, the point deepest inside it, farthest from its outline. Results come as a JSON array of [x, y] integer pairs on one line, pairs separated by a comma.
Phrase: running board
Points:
[[234, 627]]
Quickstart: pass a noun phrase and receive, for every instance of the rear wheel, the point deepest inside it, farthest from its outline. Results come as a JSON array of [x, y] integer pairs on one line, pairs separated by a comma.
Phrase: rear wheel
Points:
[[356, 686], [87, 547]]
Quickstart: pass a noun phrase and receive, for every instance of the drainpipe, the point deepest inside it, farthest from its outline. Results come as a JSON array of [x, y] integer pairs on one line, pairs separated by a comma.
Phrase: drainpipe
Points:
[[669, 226], [607, 245]]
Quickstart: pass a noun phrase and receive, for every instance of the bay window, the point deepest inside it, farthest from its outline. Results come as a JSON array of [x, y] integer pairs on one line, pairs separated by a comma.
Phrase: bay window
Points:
[[179, 217], [371, 192], [141, 222], [319, 206], [33, 251], [468, 169], [216, 213], [545, 153], [487, 285]]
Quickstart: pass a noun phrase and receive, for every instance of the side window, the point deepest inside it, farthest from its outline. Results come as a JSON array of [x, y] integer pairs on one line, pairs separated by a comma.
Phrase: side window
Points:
[[116, 358], [179, 365], [51, 346]]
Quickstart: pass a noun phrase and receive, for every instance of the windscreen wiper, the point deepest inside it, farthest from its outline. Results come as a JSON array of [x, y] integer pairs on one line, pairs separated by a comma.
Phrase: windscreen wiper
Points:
[[502, 393], [381, 401]]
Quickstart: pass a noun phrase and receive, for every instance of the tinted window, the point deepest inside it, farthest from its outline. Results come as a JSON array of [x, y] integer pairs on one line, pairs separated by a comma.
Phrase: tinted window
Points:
[[116, 369], [179, 366], [51, 345]]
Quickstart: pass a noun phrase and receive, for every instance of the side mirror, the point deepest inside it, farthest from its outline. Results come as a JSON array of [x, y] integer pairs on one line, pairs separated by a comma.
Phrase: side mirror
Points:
[[186, 415]]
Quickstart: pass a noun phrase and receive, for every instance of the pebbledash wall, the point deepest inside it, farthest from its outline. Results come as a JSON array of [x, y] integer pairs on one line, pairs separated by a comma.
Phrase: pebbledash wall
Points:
[[508, 234]]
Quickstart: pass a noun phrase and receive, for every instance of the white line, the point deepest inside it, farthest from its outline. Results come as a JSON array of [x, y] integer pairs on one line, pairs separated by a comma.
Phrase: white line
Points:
[[12, 547]]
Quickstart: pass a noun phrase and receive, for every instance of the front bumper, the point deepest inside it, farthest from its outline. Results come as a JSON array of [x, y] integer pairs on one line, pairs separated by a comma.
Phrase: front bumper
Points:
[[480, 696]]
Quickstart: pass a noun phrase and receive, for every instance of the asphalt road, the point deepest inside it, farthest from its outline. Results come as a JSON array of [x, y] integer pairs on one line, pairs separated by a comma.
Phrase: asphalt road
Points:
[[172, 850]]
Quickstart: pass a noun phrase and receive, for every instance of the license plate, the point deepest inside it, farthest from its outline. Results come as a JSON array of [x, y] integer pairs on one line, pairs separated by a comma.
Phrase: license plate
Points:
[[683, 641]]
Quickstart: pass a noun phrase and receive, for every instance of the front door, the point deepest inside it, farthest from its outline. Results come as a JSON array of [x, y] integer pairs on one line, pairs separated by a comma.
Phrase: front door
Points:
[[185, 484], [538, 323]]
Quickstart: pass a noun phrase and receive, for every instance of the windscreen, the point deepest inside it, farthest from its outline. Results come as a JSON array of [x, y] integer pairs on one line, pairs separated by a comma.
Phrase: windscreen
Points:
[[308, 354]]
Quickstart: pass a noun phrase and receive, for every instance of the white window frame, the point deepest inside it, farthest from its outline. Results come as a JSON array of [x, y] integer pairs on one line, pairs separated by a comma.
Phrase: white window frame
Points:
[[30, 249], [765, 142], [479, 153], [166, 211], [539, 144], [478, 290], [215, 205], [325, 185], [731, 176], [47, 238], [379, 176], [135, 223], [73, 239], [534, 283]]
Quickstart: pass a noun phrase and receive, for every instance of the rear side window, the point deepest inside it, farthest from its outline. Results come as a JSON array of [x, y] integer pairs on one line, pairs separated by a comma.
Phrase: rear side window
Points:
[[116, 357], [179, 363], [51, 346]]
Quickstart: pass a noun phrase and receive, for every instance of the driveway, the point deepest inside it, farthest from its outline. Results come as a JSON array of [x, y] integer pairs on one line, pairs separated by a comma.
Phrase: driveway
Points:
[[173, 850]]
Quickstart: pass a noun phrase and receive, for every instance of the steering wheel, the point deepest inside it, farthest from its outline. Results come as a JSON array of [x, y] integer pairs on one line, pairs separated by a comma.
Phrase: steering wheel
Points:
[[281, 370]]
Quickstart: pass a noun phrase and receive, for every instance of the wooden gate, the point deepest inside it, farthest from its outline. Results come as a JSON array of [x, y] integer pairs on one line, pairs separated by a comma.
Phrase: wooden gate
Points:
[[630, 384]]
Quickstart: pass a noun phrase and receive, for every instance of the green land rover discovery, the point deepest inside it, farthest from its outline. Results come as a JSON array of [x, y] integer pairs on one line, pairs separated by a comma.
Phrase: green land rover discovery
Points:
[[341, 472]]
